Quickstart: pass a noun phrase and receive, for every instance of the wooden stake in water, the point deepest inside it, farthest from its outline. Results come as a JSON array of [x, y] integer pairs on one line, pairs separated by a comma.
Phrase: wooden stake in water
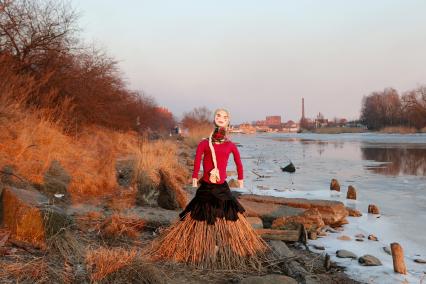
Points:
[[398, 258]]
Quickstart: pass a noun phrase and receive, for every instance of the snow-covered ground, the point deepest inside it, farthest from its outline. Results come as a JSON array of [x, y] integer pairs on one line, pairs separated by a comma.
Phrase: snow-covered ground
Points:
[[386, 170]]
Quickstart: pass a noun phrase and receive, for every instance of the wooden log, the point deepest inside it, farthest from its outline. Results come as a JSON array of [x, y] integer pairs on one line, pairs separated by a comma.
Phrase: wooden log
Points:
[[398, 258], [283, 235], [373, 209], [334, 185], [351, 194]]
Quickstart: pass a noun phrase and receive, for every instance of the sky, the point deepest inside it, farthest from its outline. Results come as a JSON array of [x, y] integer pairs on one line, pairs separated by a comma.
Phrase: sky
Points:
[[259, 58]]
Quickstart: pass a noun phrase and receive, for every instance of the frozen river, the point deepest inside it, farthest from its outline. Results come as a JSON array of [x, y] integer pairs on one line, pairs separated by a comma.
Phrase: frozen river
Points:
[[387, 170]]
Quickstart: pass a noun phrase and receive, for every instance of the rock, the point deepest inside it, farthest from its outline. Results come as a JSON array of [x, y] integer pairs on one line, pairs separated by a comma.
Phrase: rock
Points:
[[387, 250], [29, 217], [373, 209], [369, 260], [372, 237], [359, 240], [269, 279], [171, 195], [344, 238], [362, 236], [346, 254], [354, 212], [329, 229], [319, 247], [124, 169], [268, 212], [280, 249], [332, 212], [155, 217], [55, 180], [147, 191], [310, 219], [322, 234], [351, 193], [255, 222], [334, 185], [312, 235], [419, 260], [233, 183]]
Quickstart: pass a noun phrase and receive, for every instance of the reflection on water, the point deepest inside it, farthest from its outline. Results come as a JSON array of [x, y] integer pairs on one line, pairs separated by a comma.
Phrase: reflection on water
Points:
[[398, 161], [393, 159]]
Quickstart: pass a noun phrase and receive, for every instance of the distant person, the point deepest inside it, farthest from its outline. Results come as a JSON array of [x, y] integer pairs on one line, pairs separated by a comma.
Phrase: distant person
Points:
[[212, 231]]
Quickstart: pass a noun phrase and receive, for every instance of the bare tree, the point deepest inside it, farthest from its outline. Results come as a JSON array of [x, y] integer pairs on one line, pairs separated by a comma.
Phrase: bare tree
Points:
[[31, 30], [197, 117]]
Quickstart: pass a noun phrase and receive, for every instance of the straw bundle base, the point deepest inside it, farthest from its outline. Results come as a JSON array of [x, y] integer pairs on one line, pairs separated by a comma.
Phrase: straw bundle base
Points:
[[226, 244]]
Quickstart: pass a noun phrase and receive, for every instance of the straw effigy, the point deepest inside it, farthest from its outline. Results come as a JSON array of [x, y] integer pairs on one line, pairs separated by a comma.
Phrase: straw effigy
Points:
[[212, 233]]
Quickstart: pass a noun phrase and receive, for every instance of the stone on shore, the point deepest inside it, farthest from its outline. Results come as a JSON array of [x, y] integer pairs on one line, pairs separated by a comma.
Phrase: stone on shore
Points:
[[255, 222], [147, 193], [373, 209], [233, 183], [344, 238], [342, 253], [310, 219], [420, 260], [332, 212], [280, 249], [56, 179], [269, 279], [369, 260], [268, 212], [29, 217], [372, 238], [351, 194], [171, 195], [387, 250], [334, 185], [353, 212], [319, 247]]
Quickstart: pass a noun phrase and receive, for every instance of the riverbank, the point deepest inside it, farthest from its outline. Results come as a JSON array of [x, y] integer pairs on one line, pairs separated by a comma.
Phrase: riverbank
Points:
[[54, 231]]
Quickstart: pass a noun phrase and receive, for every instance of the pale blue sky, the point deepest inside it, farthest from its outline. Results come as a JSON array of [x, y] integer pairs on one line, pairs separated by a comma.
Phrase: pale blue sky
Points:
[[261, 57]]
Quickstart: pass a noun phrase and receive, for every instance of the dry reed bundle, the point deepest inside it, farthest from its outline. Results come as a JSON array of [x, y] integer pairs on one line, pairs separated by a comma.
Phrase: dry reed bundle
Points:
[[226, 244], [104, 261], [118, 226]]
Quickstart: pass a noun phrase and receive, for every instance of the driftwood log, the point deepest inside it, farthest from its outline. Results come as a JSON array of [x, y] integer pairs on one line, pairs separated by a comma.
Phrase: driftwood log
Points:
[[281, 235], [398, 258]]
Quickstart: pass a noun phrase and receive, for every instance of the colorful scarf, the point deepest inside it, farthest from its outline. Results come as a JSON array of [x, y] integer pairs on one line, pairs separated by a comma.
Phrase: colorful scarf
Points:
[[219, 134]]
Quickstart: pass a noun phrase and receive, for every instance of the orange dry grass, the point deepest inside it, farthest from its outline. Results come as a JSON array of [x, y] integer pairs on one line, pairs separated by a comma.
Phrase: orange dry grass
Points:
[[197, 133], [224, 245], [104, 261], [118, 225], [35, 270], [31, 142]]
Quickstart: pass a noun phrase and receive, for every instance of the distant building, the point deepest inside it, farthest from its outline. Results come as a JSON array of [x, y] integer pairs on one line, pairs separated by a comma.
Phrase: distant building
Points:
[[273, 121]]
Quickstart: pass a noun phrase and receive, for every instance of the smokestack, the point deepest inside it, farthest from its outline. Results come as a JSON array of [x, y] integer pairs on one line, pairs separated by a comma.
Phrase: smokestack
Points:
[[303, 108]]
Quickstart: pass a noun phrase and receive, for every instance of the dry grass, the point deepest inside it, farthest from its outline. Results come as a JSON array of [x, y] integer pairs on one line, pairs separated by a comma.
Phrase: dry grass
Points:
[[34, 271], [122, 226], [103, 261], [29, 143], [338, 130], [196, 134], [224, 245], [398, 130]]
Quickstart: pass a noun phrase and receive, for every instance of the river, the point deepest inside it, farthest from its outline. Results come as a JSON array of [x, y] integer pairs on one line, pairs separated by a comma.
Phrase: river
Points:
[[388, 170]]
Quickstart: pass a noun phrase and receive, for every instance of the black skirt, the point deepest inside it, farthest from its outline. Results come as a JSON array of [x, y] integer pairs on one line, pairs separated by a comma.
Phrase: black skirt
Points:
[[213, 201]]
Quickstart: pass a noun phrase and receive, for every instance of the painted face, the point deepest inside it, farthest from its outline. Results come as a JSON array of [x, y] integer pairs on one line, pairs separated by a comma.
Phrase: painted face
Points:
[[221, 118]]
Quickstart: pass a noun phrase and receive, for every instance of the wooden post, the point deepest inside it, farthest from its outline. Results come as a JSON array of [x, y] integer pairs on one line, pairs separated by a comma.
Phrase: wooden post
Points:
[[398, 258]]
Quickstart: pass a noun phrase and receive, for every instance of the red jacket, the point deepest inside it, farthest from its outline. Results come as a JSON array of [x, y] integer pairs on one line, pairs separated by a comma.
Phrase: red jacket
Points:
[[222, 155]]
